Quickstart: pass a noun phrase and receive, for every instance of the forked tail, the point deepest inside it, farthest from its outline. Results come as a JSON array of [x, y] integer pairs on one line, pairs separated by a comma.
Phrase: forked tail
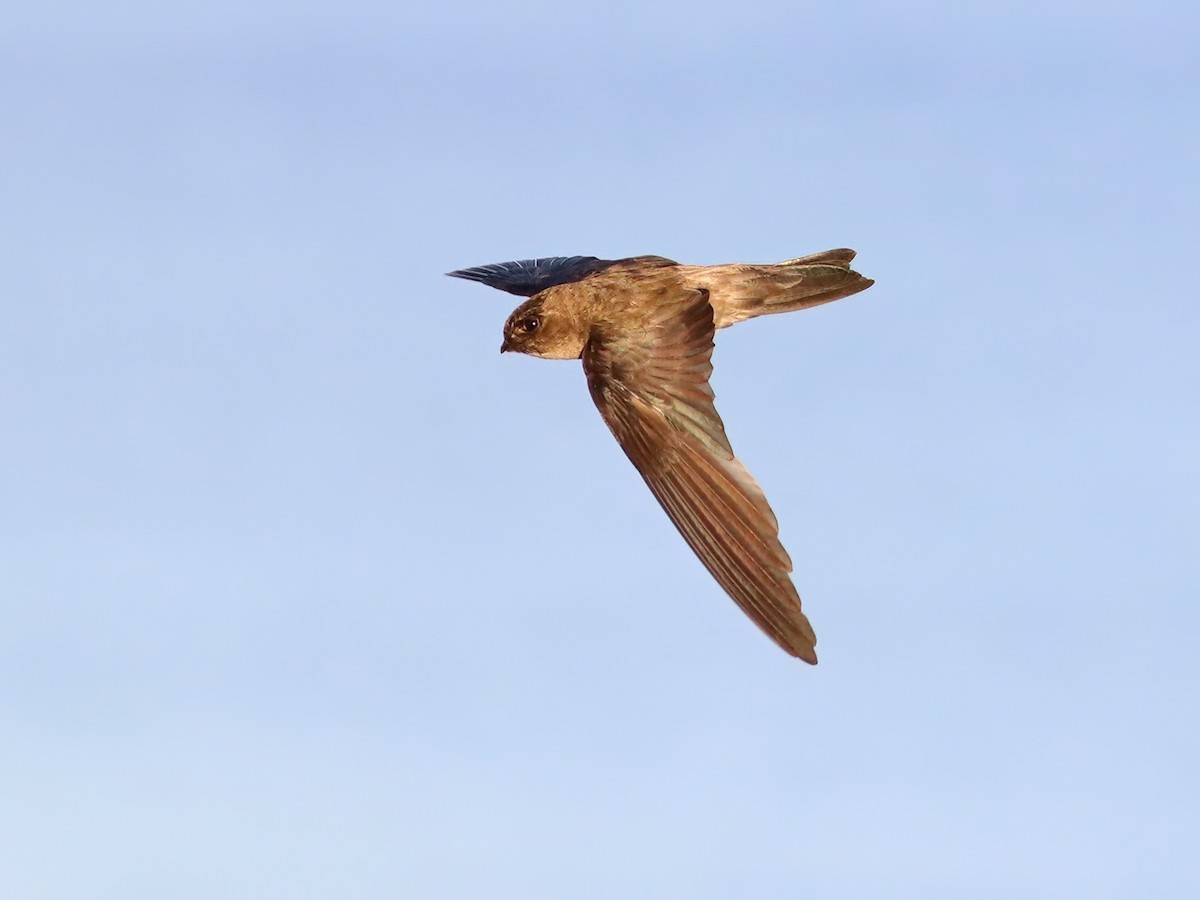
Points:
[[740, 292]]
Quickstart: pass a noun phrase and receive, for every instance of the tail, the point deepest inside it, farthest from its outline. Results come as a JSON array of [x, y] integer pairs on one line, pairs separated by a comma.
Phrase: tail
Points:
[[740, 292]]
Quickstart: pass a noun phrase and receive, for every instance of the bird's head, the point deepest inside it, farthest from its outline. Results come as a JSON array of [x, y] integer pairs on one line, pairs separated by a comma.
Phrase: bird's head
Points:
[[540, 327]]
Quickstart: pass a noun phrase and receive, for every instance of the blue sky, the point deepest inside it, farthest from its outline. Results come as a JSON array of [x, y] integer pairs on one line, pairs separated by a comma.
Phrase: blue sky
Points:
[[307, 592]]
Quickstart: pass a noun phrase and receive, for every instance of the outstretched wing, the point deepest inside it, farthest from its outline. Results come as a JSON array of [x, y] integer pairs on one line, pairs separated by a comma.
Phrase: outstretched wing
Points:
[[652, 389], [527, 277]]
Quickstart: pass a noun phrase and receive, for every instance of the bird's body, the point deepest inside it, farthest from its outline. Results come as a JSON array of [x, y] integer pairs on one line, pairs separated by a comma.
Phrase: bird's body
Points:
[[644, 329]]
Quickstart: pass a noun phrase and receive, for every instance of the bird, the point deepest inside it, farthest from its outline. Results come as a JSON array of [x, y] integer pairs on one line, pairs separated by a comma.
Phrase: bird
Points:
[[643, 327]]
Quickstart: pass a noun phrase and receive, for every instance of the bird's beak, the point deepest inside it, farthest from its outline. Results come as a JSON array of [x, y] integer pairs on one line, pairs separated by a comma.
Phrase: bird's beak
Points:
[[504, 347]]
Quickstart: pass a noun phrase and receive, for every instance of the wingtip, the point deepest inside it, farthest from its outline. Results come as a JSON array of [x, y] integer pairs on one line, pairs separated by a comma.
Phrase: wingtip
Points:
[[804, 649], [802, 641], [527, 277]]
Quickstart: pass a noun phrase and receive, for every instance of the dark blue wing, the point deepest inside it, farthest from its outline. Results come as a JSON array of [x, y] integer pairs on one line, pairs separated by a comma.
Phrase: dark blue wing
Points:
[[528, 276]]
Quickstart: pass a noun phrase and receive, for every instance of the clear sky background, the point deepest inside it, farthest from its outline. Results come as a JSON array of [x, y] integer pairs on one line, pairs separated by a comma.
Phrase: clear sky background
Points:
[[306, 592]]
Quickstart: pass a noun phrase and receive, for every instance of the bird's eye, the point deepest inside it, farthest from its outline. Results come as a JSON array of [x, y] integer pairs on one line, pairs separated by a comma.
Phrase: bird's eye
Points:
[[529, 324]]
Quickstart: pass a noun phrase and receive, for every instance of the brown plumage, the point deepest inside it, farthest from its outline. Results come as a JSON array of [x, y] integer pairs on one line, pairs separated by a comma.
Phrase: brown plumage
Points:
[[644, 329]]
